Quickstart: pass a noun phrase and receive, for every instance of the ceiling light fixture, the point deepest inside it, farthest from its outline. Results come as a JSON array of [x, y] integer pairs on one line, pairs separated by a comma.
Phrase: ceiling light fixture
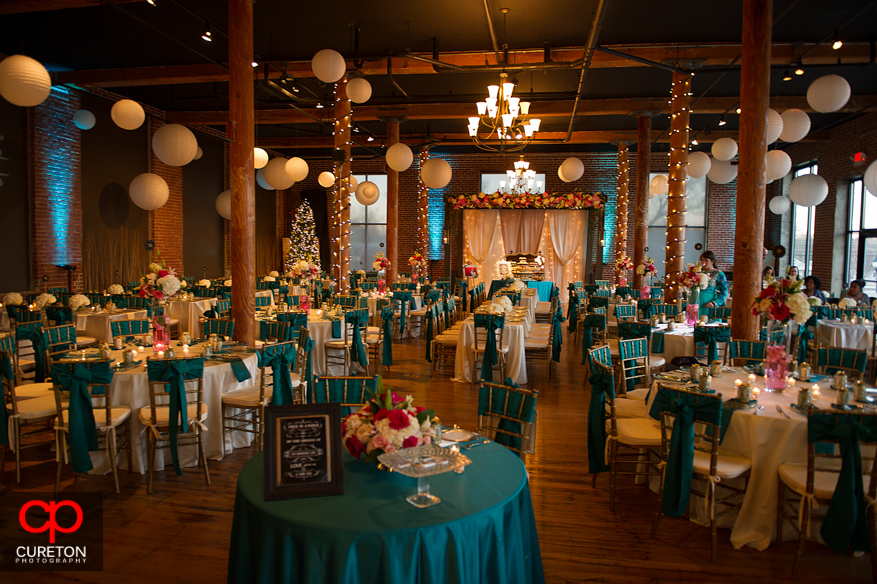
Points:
[[371, 139], [800, 69], [521, 179], [151, 2], [506, 117], [837, 44], [319, 105], [787, 76], [694, 142], [722, 121], [254, 64], [738, 110], [207, 35]]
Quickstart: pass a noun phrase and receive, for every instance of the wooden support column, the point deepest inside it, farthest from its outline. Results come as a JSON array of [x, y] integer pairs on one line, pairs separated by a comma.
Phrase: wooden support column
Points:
[[392, 252], [754, 101], [241, 170], [341, 251], [423, 199], [621, 209], [675, 258], [641, 210]]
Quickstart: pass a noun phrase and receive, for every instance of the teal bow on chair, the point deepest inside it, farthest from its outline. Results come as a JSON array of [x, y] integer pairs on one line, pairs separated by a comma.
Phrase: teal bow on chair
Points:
[[647, 307], [387, 323], [712, 336], [846, 522], [489, 322], [572, 315], [602, 383], [280, 358], [589, 322], [8, 374], [464, 293], [805, 334], [74, 379], [496, 401], [60, 314], [557, 340], [404, 299], [174, 374], [309, 365], [38, 339], [430, 317], [357, 318]]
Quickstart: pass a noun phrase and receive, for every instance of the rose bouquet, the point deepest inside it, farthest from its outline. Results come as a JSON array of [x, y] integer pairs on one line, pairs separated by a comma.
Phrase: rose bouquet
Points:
[[13, 298], [694, 278], [623, 264], [43, 300], [115, 289], [387, 423], [847, 303], [381, 262], [782, 301], [161, 281], [647, 268], [417, 261], [78, 302]]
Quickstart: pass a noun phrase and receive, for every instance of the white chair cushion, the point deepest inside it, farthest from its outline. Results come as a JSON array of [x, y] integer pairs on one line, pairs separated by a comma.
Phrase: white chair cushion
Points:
[[163, 414], [337, 344], [824, 483], [728, 465], [32, 390], [641, 394], [638, 431], [85, 341], [37, 408], [450, 340], [656, 361], [119, 414], [246, 398], [629, 408], [480, 348], [536, 343]]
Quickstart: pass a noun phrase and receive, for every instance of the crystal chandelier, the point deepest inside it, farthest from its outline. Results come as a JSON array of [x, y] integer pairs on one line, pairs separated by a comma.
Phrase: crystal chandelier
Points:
[[521, 179], [504, 118]]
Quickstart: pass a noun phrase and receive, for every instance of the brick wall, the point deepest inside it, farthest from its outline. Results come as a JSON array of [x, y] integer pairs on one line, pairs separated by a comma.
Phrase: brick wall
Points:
[[56, 197], [166, 222], [721, 222]]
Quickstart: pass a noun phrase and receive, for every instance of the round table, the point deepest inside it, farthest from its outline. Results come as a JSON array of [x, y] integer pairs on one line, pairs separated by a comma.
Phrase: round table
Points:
[[848, 336], [482, 531]]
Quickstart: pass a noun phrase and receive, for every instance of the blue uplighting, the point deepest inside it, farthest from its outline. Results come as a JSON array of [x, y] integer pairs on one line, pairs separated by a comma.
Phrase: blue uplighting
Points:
[[61, 180]]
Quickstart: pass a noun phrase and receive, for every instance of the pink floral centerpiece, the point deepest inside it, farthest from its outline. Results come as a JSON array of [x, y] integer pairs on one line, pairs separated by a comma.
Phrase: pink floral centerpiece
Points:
[[693, 280], [780, 302], [304, 302], [417, 263], [647, 269], [382, 285], [159, 284], [381, 262], [387, 423]]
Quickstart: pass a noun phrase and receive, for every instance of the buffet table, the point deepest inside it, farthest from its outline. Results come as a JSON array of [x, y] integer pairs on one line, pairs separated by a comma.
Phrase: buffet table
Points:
[[542, 288], [483, 530]]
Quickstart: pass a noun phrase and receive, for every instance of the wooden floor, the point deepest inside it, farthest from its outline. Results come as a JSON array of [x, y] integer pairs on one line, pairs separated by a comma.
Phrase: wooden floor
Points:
[[181, 533]]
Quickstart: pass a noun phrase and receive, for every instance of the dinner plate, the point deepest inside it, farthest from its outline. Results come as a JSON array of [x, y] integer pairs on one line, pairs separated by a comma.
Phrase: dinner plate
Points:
[[458, 435]]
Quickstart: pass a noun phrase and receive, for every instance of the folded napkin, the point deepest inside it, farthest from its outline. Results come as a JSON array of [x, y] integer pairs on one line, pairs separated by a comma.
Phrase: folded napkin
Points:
[[241, 372]]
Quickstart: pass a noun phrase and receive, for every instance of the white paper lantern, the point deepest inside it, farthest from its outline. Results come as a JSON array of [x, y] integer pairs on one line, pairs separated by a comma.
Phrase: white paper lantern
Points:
[[127, 114], [260, 158], [870, 178], [328, 65], [778, 164], [829, 93], [260, 180], [436, 173], [223, 204], [659, 184], [148, 191], [24, 81], [774, 125], [275, 174], [84, 120], [359, 90], [399, 157], [698, 164], [326, 179], [296, 169], [560, 174], [651, 195], [573, 169], [724, 149], [779, 205], [722, 172], [808, 190], [198, 154], [367, 193], [352, 183], [796, 125], [175, 144]]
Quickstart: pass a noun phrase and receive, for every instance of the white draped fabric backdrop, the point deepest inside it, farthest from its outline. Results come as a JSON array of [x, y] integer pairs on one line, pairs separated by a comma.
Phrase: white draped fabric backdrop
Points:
[[493, 234]]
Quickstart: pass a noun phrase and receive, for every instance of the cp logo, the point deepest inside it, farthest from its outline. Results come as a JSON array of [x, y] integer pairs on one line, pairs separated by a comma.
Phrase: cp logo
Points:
[[51, 523]]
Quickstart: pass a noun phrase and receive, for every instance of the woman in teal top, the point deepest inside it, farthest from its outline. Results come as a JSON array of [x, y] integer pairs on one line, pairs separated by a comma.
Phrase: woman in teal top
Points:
[[716, 292]]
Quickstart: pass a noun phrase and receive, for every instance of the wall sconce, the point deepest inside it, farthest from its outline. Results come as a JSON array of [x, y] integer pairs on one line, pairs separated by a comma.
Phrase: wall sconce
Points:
[[445, 237]]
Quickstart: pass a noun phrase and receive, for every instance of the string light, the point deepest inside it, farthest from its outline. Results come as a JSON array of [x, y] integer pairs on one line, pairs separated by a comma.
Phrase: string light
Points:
[[675, 242], [341, 189], [622, 207]]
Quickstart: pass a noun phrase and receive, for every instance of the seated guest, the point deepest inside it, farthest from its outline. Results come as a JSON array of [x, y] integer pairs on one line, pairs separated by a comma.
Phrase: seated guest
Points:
[[813, 287], [766, 276], [716, 291], [857, 293], [793, 273]]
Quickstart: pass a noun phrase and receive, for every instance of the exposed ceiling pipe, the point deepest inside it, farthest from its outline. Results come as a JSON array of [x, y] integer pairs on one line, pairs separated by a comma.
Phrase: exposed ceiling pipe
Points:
[[492, 34], [640, 60], [393, 81], [596, 25]]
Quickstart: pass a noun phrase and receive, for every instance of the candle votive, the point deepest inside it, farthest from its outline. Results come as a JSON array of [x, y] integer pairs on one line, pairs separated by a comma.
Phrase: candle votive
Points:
[[161, 354], [744, 392], [791, 381], [815, 391], [804, 396], [752, 377], [737, 383]]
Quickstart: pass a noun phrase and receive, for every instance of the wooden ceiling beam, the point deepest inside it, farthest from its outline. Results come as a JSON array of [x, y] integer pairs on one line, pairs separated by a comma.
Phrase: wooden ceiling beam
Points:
[[22, 6], [716, 55]]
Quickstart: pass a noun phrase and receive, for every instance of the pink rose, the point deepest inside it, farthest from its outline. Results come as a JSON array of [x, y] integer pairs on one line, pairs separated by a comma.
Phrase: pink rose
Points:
[[398, 419], [427, 439], [410, 442], [379, 441]]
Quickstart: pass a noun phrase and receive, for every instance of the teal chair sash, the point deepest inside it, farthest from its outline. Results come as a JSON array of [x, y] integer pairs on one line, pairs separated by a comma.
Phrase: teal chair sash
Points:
[[494, 400], [833, 357], [175, 373], [647, 307], [357, 318], [588, 323], [355, 393], [602, 384], [557, 339], [387, 323], [598, 302], [273, 330], [60, 314], [7, 373], [34, 333], [279, 358], [404, 298], [74, 379], [431, 315], [742, 349], [489, 322], [711, 336], [805, 335]]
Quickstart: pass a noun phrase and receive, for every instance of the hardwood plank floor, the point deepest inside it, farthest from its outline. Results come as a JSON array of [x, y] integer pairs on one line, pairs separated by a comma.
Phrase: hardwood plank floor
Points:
[[181, 532]]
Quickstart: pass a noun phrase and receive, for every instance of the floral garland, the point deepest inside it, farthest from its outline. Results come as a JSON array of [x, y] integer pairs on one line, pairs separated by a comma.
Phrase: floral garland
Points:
[[782, 301], [528, 200]]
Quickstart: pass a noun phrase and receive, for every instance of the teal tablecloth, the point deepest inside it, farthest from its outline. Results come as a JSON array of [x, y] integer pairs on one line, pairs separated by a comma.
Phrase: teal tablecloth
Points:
[[543, 288], [482, 531]]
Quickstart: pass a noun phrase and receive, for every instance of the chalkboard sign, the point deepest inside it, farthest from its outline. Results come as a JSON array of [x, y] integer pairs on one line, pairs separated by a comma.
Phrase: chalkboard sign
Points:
[[303, 451]]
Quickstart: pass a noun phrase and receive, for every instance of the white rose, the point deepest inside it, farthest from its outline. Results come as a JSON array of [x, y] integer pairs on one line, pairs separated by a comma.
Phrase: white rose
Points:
[[268, 279], [205, 283], [169, 285], [78, 301], [227, 283], [847, 303], [273, 273], [800, 307], [13, 298], [814, 301], [44, 299]]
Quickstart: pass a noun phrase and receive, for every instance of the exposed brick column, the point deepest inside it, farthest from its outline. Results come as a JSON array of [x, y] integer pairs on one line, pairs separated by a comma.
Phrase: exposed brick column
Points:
[[56, 191], [166, 222]]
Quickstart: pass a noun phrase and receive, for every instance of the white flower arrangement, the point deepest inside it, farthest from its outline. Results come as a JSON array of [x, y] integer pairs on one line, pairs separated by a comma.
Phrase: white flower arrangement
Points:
[[115, 289], [517, 285], [43, 300], [13, 298], [205, 283], [227, 283], [273, 274], [269, 279], [814, 301], [169, 284], [505, 303], [847, 303], [78, 301], [183, 284]]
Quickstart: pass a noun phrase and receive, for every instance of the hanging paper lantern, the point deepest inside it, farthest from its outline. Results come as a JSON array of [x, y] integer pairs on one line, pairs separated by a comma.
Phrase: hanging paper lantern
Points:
[[275, 174], [829, 93], [659, 184], [808, 190], [722, 172], [778, 164], [260, 180], [174, 144], [326, 179], [148, 191], [127, 114], [774, 125], [573, 169], [359, 90], [698, 164], [328, 65], [296, 169], [796, 125], [724, 149], [352, 183], [198, 154], [651, 195], [779, 205], [367, 193], [399, 157], [24, 81], [84, 120], [436, 173], [560, 174], [870, 178], [223, 204], [260, 158]]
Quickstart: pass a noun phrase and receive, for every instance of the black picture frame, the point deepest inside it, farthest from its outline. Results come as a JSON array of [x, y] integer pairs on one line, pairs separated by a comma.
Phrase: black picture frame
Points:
[[303, 451]]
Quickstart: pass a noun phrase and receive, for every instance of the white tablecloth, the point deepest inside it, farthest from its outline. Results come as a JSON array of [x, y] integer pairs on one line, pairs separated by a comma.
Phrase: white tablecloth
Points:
[[513, 337], [679, 342], [268, 293], [321, 331], [97, 324], [530, 301], [845, 335], [188, 312]]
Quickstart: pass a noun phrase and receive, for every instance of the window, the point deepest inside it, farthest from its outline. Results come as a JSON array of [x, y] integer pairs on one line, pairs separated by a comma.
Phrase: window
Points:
[[368, 225], [695, 222], [862, 237], [803, 221]]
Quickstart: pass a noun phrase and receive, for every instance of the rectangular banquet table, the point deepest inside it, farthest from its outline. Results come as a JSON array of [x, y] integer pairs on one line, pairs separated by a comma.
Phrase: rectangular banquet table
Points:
[[542, 288], [188, 312], [482, 532], [97, 324], [514, 336]]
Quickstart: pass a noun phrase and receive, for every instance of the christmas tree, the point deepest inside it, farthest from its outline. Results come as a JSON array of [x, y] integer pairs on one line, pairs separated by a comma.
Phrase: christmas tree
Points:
[[303, 243]]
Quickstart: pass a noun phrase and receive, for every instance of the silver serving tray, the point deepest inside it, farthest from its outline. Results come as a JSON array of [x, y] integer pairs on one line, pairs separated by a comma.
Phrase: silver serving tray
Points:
[[424, 461]]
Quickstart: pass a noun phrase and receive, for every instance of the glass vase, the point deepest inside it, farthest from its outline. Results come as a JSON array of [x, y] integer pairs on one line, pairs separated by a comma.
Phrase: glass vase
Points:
[[161, 335], [776, 361], [692, 307]]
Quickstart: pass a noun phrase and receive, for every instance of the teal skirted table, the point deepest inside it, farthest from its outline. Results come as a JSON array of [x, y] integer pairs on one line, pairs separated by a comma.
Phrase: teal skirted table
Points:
[[543, 289], [482, 531]]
